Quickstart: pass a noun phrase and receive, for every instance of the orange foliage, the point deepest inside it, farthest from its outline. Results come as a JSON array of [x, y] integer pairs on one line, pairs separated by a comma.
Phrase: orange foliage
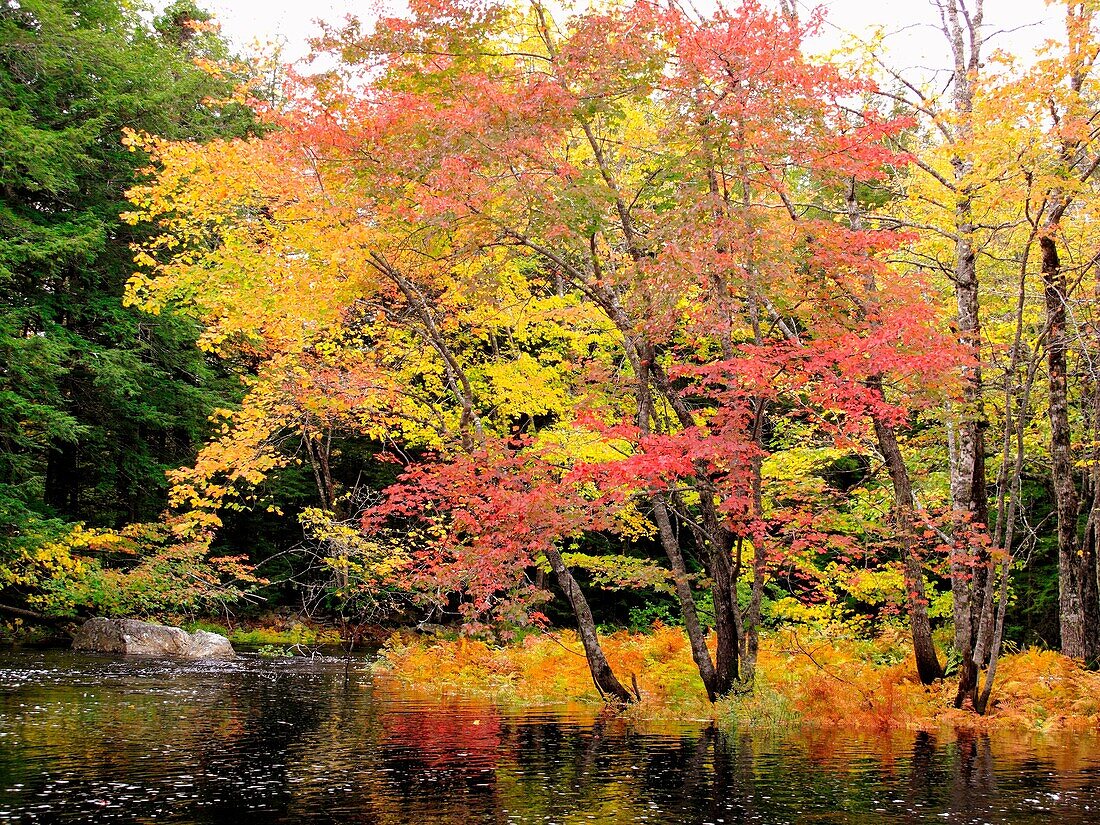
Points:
[[827, 683]]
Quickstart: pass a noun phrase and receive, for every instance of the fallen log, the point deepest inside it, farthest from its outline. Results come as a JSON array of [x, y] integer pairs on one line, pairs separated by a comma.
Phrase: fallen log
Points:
[[33, 615]]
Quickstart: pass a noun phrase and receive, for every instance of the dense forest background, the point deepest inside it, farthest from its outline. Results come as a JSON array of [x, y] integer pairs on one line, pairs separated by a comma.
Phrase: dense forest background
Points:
[[98, 400], [738, 338]]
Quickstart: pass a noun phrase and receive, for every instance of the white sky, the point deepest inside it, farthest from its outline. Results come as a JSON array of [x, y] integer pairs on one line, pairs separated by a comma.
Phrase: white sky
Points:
[[914, 40]]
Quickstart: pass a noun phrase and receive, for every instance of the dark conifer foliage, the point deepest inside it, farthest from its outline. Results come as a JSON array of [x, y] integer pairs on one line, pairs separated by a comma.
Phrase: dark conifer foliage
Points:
[[96, 400]]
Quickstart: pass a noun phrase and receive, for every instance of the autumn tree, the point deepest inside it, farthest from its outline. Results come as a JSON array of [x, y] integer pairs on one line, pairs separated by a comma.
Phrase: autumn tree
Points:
[[1060, 177], [656, 191], [981, 193]]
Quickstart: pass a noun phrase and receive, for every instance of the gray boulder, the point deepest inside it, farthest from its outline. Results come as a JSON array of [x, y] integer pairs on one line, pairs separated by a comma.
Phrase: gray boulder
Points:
[[131, 636], [206, 645]]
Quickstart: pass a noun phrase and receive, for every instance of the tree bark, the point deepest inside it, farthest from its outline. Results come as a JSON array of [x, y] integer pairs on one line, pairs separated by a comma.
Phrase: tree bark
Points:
[[697, 639], [603, 676], [726, 623], [1077, 596], [969, 564], [33, 616], [929, 668]]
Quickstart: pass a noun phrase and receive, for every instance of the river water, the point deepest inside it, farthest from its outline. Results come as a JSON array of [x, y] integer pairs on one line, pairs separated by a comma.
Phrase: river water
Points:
[[96, 739]]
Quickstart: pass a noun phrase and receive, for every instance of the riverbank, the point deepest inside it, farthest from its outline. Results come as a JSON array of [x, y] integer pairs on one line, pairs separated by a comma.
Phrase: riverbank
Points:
[[289, 632], [802, 680]]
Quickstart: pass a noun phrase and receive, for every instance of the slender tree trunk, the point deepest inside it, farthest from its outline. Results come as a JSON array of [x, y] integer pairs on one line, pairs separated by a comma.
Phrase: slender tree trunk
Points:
[[928, 663], [641, 354], [697, 639], [962, 26], [718, 675], [968, 483], [602, 675], [749, 620], [1077, 597], [715, 544]]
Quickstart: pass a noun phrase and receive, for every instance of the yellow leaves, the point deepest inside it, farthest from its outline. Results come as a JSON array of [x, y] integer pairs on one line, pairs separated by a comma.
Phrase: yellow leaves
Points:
[[579, 445], [356, 558], [35, 568], [210, 67], [633, 525], [134, 140], [791, 610], [877, 585], [614, 572], [523, 386], [800, 462], [243, 228]]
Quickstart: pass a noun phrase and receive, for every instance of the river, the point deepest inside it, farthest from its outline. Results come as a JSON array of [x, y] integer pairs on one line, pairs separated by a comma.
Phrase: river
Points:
[[96, 739]]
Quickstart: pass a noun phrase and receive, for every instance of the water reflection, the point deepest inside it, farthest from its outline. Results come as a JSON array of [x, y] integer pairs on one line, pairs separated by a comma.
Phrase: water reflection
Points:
[[95, 739]]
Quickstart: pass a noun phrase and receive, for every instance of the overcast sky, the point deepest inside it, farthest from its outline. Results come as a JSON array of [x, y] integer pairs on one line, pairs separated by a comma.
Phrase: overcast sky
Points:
[[914, 40]]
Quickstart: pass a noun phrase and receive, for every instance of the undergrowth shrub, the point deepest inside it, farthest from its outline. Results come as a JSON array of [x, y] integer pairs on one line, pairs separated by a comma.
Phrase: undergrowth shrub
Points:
[[814, 680]]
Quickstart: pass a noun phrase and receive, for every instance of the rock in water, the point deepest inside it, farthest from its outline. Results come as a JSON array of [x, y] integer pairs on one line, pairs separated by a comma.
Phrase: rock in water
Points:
[[206, 645], [142, 638]]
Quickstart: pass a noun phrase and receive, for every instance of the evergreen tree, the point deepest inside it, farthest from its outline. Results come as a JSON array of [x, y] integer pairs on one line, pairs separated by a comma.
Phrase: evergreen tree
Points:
[[96, 400]]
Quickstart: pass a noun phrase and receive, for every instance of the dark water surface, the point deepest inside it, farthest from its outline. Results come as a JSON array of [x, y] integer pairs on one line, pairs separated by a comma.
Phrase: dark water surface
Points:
[[99, 739]]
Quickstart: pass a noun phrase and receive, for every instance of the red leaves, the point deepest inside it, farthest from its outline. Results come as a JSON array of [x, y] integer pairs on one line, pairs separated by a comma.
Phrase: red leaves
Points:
[[673, 182], [488, 516]]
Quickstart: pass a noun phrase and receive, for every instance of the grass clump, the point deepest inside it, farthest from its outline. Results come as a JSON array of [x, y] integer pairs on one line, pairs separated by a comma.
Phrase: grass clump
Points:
[[547, 668]]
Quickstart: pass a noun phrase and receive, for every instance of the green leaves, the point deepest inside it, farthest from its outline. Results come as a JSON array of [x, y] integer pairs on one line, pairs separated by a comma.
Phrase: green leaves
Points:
[[96, 401]]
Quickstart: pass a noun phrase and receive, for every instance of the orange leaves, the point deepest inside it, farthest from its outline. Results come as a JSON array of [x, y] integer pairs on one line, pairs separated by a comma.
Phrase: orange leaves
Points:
[[814, 681], [551, 668]]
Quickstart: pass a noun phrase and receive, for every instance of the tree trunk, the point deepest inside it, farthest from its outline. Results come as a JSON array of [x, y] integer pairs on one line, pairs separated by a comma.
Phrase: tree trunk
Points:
[[602, 676], [718, 675], [1077, 597], [33, 616], [968, 482], [697, 639], [969, 559], [726, 625], [928, 663], [62, 478], [750, 623]]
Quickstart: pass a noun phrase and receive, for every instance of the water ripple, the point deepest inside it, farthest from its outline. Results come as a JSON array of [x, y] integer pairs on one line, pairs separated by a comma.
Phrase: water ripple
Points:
[[253, 740]]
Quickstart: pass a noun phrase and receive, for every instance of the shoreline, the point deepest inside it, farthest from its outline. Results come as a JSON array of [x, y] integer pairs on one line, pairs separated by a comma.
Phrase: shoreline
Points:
[[805, 679], [840, 687]]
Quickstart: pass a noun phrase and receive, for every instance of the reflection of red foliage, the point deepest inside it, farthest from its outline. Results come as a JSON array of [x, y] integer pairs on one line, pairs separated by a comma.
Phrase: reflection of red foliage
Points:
[[460, 738]]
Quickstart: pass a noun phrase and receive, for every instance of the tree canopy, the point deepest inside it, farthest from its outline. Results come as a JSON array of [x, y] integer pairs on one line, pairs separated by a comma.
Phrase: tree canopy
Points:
[[623, 300]]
